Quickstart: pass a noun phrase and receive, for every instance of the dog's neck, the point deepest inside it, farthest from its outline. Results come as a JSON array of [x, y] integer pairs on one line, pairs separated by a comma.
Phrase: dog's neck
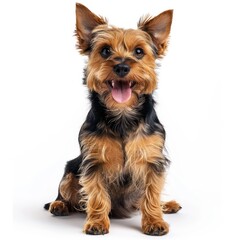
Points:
[[125, 120]]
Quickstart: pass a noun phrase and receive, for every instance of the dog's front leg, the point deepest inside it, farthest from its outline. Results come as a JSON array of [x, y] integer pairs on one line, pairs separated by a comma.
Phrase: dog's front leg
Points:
[[98, 204], [102, 158], [152, 220], [147, 164]]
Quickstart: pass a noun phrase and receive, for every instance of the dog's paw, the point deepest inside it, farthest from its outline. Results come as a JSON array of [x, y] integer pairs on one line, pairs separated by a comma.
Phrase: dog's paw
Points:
[[170, 207], [58, 208], [155, 229], [96, 228]]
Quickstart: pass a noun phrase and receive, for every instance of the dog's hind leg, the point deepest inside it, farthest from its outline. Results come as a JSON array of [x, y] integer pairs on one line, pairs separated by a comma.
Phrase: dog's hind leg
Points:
[[58, 208], [170, 207], [68, 191]]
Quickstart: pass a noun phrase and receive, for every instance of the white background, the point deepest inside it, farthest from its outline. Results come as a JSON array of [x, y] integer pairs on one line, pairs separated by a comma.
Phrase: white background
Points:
[[43, 104]]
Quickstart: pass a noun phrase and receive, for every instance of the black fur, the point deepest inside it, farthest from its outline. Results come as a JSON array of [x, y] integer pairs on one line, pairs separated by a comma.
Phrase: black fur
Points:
[[99, 118]]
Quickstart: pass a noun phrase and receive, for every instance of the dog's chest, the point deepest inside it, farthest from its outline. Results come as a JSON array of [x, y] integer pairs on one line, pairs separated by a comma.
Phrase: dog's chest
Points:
[[133, 156]]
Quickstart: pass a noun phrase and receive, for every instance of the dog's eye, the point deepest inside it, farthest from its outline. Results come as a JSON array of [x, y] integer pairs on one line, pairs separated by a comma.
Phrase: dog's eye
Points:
[[139, 53], [105, 52]]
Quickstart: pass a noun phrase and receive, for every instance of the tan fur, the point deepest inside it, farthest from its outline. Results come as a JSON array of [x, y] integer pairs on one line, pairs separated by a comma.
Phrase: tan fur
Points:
[[150, 205], [84, 26], [158, 28], [60, 207], [69, 189], [141, 151], [108, 154], [143, 72], [170, 207], [98, 203]]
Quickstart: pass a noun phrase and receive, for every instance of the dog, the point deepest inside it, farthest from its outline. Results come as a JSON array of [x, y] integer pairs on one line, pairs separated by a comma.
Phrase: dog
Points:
[[121, 167]]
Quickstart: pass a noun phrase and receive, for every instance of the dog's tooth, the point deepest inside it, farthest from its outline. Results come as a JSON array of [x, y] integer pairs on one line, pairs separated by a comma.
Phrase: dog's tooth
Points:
[[112, 83]]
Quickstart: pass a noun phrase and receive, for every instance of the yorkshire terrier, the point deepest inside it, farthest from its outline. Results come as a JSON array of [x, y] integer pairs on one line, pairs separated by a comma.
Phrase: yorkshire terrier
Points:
[[121, 167]]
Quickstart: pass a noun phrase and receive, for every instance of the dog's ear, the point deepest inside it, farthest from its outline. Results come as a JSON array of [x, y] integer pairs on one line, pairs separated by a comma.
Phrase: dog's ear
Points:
[[86, 21], [158, 28]]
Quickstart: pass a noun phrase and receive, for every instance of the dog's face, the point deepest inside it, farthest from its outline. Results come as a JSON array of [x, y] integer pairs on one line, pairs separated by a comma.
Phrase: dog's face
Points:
[[121, 63]]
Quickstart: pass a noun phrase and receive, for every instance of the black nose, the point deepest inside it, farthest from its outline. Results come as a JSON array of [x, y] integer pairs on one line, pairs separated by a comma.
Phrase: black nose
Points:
[[121, 69]]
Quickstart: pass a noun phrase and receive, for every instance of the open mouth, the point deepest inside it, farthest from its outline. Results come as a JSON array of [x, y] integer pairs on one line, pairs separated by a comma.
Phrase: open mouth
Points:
[[121, 90]]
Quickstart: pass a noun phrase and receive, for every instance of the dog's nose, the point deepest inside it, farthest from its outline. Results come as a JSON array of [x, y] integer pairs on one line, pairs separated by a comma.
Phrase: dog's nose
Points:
[[121, 69]]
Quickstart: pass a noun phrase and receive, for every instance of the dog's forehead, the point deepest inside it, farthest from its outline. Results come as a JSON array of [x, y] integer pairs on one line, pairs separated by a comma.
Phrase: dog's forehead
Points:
[[117, 36]]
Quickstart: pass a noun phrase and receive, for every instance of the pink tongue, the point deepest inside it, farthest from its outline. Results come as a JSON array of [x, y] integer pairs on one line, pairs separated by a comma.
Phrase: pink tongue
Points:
[[121, 92]]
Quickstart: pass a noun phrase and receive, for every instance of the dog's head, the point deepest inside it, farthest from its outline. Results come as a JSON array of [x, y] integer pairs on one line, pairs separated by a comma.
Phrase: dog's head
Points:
[[121, 63]]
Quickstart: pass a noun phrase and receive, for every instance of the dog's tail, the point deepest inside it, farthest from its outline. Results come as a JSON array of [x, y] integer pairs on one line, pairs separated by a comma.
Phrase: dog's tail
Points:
[[46, 206]]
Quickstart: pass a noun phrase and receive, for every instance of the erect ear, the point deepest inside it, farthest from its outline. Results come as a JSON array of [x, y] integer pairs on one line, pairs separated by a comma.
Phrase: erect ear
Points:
[[158, 28], [86, 21]]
